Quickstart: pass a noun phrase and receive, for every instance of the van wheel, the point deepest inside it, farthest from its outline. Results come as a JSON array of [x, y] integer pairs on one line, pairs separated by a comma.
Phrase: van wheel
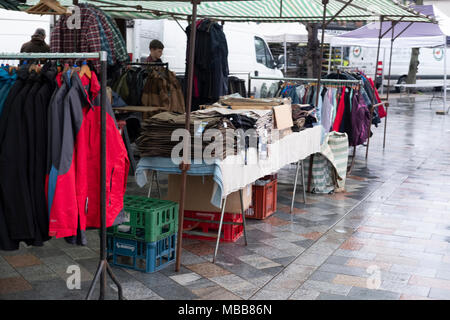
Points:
[[402, 80]]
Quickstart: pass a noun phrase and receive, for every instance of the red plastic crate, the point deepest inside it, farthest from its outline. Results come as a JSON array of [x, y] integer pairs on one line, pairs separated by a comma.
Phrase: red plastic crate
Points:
[[264, 200], [230, 233]]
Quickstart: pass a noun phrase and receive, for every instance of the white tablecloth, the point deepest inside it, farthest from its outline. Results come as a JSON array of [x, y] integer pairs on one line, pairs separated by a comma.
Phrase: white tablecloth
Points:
[[292, 148], [232, 173]]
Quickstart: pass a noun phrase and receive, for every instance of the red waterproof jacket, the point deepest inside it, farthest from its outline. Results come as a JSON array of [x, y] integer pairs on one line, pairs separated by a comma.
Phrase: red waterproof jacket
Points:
[[381, 111], [340, 111], [76, 197]]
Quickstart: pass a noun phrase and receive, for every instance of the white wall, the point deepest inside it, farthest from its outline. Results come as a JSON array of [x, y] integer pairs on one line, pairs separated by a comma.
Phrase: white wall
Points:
[[443, 5], [16, 28]]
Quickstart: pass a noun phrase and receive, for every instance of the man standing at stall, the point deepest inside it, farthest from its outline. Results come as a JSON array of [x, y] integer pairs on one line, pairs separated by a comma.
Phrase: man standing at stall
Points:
[[156, 51], [37, 43]]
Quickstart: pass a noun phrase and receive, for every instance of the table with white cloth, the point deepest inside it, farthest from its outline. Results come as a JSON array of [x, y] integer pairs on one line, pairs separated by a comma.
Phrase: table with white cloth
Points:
[[234, 173]]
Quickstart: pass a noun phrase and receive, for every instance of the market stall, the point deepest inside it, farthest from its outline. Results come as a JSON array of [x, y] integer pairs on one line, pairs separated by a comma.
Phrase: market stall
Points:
[[265, 10]]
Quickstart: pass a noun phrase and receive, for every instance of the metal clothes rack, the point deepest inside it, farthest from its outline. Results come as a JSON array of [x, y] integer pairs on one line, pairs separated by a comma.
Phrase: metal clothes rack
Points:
[[103, 266], [304, 80], [351, 69], [156, 64]]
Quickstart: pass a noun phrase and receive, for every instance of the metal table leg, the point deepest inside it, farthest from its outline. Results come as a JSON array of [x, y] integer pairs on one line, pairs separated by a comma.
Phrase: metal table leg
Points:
[[157, 184], [224, 202], [154, 176], [243, 215], [295, 186], [303, 182], [151, 184]]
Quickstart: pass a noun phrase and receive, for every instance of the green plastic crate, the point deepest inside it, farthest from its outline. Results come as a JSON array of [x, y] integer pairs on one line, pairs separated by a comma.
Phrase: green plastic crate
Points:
[[147, 219]]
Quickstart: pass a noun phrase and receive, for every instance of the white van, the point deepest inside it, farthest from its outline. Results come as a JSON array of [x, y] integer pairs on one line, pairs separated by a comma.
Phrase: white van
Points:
[[248, 53], [430, 70]]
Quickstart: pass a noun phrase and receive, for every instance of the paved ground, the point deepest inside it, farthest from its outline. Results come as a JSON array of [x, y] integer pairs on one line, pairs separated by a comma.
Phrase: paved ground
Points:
[[386, 237]]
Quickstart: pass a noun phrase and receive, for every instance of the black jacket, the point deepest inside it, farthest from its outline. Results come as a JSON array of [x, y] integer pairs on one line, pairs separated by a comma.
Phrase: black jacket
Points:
[[23, 207], [35, 45], [14, 189], [41, 102], [6, 243], [211, 60]]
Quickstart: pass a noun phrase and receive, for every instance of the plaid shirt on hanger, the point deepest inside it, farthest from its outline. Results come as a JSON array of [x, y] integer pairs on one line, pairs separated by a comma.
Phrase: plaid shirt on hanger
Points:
[[88, 37], [108, 32], [118, 41]]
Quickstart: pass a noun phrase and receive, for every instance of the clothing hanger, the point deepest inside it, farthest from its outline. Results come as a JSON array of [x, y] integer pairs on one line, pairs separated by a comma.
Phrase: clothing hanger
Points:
[[74, 69], [11, 68], [33, 67], [49, 7], [85, 70], [66, 68]]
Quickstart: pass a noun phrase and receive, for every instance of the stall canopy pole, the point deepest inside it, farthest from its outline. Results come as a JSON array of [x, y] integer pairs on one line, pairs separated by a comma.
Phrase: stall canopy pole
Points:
[[389, 82], [375, 76], [319, 76], [329, 58], [184, 166], [445, 74], [378, 52], [382, 72], [285, 56]]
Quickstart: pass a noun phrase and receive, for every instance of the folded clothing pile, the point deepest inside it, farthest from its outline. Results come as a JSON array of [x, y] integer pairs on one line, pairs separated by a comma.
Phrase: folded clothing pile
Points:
[[238, 102], [260, 120], [304, 116], [155, 140]]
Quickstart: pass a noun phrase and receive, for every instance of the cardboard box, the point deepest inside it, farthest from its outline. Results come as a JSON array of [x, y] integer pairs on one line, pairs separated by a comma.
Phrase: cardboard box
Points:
[[283, 116], [199, 190]]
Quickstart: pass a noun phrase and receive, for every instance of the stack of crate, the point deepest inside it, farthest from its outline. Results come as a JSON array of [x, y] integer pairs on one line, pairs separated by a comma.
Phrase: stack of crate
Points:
[[146, 241]]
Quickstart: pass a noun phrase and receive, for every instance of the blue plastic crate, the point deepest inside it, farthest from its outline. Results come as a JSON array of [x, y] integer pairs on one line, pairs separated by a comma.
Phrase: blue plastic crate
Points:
[[109, 244], [143, 256]]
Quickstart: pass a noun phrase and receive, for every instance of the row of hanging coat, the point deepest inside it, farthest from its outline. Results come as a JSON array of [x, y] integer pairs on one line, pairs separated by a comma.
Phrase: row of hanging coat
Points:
[[153, 85], [368, 91], [99, 32], [210, 63], [49, 159], [343, 107]]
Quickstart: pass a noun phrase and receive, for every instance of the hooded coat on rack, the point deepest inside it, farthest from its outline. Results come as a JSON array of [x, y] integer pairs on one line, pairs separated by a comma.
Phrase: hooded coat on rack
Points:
[[76, 200]]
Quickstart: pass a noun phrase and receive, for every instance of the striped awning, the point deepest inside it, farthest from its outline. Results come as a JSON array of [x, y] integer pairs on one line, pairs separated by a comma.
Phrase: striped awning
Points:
[[10, 5], [258, 10]]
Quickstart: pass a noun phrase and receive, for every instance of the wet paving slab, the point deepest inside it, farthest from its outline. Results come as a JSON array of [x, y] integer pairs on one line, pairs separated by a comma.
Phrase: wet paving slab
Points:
[[386, 237]]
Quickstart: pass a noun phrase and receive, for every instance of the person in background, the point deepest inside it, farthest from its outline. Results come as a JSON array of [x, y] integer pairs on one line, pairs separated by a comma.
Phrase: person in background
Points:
[[37, 43], [156, 51]]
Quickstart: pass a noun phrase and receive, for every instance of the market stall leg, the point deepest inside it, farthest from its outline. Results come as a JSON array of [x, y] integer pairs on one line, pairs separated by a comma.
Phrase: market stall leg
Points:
[[303, 182], [243, 215], [295, 186], [389, 84], [184, 166], [445, 76], [154, 177], [224, 202]]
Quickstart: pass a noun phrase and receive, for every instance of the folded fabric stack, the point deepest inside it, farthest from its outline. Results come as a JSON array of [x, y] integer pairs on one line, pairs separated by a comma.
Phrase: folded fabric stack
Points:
[[261, 120], [303, 116], [155, 140], [235, 101]]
